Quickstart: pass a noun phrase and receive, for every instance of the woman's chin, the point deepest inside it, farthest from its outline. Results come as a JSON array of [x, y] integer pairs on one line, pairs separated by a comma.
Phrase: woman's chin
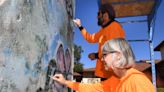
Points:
[[106, 69], [110, 69]]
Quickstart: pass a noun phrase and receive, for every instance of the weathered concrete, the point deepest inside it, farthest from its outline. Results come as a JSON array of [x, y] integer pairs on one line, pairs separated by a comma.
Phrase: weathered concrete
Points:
[[35, 41]]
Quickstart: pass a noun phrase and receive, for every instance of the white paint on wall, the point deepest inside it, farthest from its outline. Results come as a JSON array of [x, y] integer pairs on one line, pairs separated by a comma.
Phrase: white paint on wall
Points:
[[30, 31]]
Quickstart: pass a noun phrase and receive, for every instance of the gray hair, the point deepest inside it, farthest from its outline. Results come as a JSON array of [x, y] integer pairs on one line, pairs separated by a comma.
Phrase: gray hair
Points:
[[127, 58]]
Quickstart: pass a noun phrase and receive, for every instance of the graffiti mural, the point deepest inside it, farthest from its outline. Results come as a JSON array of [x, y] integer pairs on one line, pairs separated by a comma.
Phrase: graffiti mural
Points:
[[36, 41]]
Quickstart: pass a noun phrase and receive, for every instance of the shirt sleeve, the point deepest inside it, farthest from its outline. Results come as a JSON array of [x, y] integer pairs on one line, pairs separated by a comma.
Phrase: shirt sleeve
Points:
[[89, 87], [91, 38], [72, 85], [85, 87]]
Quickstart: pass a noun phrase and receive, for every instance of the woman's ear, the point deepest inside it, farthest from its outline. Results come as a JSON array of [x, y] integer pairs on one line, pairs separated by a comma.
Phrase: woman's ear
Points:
[[119, 55], [115, 61]]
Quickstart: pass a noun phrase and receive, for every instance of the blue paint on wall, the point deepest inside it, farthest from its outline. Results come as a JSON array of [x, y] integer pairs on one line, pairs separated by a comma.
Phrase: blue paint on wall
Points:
[[30, 36]]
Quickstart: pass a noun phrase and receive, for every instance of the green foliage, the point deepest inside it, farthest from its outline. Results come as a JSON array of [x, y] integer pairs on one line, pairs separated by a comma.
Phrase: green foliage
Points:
[[77, 52], [78, 66]]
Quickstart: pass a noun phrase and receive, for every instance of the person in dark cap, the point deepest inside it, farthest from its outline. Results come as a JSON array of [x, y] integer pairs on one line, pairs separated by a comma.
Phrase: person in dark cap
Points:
[[109, 29]]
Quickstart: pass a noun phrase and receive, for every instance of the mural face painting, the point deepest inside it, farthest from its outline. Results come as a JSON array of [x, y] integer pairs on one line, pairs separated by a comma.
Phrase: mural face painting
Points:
[[60, 59], [62, 65], [36, 40], [68, 61]]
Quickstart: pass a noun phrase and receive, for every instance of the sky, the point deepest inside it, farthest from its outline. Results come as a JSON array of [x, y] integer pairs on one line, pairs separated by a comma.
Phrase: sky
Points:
[[86, 10]]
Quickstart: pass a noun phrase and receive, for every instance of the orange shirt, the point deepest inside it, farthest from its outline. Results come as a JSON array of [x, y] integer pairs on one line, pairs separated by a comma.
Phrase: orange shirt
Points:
[[114, 30], [108, 85], [133, 81]]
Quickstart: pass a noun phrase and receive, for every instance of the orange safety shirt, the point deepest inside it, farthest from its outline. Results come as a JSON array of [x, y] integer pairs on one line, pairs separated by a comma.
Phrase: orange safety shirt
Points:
[[108, 85], [113, 30], [133, 81]]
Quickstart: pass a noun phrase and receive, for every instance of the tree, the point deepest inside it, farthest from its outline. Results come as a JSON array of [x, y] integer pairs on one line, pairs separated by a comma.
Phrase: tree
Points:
[[78, 66]]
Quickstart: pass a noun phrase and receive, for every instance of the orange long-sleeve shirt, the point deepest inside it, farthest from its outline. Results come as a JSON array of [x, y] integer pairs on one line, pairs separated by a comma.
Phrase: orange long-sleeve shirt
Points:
[[113, 30], [106, 86], [133, 81]]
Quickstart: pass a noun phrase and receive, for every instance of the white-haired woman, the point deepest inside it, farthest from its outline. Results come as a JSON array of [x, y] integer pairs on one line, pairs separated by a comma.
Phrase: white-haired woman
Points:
[[118, 57]]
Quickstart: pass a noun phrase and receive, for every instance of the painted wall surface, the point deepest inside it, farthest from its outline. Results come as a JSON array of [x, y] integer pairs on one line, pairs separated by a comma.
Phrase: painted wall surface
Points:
[[36, 41]]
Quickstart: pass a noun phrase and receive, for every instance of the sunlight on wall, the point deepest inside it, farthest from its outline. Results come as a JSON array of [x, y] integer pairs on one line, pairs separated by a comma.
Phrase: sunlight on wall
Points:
[[36, 40]]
